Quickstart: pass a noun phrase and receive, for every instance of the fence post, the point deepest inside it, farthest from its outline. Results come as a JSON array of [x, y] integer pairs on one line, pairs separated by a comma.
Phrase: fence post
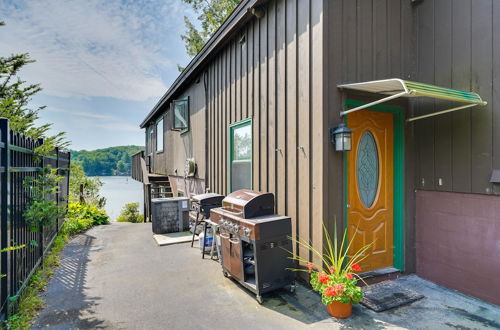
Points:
[[4, 214], [58, 188], [40, 227]]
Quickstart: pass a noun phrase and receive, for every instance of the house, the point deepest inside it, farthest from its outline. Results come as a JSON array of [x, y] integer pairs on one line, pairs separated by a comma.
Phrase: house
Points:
[[255, 108]]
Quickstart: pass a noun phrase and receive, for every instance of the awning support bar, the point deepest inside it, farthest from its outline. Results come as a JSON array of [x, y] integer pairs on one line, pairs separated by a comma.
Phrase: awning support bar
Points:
[[364, 106], [441, 112]]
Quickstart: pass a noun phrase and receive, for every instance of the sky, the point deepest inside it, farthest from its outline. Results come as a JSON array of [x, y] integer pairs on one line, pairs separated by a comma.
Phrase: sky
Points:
[[102, 64]]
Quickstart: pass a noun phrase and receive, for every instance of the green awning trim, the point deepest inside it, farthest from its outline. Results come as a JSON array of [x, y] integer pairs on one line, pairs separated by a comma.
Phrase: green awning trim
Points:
[[420, 89], [395, 88]]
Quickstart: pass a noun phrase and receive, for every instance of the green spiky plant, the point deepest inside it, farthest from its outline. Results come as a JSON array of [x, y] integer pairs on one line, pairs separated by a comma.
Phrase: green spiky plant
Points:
[[336, 278]]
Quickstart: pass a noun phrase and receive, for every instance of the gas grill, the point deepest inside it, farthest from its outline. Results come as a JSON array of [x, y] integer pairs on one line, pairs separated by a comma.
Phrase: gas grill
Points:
[[203, 203], [254, 242]]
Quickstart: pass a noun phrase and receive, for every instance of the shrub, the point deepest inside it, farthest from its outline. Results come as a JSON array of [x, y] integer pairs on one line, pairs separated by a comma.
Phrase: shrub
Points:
[[42, 210], [81, 217], [130, 213]]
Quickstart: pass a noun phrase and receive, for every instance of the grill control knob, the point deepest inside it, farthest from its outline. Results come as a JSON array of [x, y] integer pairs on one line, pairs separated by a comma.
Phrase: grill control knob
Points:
[[247, 232]]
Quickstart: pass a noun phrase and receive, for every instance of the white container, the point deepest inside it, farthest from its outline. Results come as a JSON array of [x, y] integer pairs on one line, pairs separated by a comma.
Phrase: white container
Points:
[[208, 241]]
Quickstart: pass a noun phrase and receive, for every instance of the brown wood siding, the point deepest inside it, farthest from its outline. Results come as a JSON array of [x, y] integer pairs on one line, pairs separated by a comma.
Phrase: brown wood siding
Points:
[[366, 40], [177, 148], [457, 40], [268, 78]]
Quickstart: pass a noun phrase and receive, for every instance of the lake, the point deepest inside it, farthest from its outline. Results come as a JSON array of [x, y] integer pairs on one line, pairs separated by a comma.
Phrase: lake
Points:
[[120, 190]]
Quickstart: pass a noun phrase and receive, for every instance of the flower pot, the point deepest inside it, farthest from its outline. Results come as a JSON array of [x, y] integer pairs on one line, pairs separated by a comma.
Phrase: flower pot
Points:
[[339, 310]]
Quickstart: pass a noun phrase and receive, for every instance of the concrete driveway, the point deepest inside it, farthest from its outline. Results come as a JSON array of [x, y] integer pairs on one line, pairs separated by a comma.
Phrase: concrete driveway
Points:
[[116, 277]]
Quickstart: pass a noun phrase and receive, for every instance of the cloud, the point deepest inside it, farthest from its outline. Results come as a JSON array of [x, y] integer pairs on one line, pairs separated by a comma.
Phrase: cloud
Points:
[[92, 48], [120, 127], [82, 114]]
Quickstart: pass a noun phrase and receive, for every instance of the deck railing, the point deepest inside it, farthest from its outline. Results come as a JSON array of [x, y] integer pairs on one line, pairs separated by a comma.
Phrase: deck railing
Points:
[[137, 166], [17, 162]]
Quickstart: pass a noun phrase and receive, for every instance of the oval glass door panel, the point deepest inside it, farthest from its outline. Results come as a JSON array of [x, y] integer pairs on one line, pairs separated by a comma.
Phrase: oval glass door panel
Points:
[[367, 169]]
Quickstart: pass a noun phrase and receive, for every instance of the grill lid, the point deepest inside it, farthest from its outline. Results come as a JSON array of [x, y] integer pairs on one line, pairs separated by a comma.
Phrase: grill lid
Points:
[[208, 199], [249, 204]]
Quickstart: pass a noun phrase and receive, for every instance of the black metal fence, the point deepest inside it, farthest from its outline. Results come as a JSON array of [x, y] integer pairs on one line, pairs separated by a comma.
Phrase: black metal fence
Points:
[[18, 162]]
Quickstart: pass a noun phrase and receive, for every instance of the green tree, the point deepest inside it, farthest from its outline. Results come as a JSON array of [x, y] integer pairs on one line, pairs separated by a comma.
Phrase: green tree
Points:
[[15, 96], [84, 189], [107, 161], [130, 213], [211, 15], [43, 210]]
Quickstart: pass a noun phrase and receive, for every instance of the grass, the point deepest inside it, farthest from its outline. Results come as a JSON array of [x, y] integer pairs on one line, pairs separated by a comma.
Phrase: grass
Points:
[[29, 303]]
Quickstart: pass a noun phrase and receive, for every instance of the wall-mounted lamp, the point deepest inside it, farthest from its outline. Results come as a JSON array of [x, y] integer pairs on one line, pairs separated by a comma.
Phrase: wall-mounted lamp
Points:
[[341, 137], [257, 11]]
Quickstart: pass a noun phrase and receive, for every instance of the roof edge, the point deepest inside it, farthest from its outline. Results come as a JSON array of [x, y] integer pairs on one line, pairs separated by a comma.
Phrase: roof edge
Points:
[[233, 22]]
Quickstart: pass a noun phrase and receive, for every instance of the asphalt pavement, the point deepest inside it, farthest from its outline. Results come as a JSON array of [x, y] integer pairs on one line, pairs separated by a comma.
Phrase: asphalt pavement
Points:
[[116, 277]]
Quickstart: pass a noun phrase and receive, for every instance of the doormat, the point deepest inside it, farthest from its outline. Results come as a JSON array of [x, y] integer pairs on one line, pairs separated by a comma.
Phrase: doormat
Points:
[[174, 238], [387, 295]]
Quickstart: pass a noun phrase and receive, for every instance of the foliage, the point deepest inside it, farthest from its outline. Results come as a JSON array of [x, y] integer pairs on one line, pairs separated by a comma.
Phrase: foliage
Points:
[[15, 96], [108, 161], [81, 217], [83, 188], [211, 14], [130, 213], [335, 279], [29, 303], [43, 208]]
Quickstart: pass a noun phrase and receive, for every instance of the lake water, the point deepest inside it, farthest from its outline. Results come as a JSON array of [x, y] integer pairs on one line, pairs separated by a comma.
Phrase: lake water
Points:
[[120, 190]]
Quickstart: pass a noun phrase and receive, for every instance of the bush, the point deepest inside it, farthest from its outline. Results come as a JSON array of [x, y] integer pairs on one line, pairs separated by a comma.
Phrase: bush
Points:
[[81, 217], [130, 213]]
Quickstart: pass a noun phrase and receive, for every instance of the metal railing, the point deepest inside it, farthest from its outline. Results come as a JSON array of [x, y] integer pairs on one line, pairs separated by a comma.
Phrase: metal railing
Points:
[[18, 162]]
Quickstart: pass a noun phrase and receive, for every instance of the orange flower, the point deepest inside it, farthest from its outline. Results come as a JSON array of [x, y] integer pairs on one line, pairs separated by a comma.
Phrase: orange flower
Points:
[[330, 291], [310, 267], [332, 270], [356, 267], [323, 278], [349, 276]]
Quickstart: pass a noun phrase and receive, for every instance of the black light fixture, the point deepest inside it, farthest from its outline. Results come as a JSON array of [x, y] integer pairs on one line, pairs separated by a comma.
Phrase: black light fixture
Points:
[[341, 137]]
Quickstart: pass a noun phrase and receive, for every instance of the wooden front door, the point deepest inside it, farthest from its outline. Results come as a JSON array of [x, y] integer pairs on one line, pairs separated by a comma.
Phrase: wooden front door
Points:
[[370, 208]]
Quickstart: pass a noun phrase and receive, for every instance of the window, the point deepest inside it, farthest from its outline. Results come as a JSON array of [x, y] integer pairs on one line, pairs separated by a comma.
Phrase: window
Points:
[[240, 167], [181, 115], [159, 135]]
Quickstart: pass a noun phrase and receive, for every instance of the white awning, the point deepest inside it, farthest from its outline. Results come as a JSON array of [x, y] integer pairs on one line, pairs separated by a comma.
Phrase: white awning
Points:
[[396, 88]]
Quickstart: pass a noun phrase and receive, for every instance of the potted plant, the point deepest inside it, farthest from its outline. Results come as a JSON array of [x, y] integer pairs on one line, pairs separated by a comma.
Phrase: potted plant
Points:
[[337, 277]]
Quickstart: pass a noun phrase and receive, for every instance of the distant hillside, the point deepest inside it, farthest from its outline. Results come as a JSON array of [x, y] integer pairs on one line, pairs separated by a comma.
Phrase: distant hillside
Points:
[[108, 161]]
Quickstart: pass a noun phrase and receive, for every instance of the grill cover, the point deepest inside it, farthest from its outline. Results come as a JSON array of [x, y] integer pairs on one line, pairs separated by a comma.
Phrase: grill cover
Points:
[[208, 199], [249, 204]]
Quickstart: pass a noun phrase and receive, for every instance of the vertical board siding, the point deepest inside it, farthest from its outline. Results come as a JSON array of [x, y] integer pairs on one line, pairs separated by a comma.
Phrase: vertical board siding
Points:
[[271, 97], [317, 128], [481, 120], [366, 40], [291, 112], [461, 71], [496, 89], [456, 44], [267, 76], [303, 83], [443, 69], [263, 102], [281, 115]]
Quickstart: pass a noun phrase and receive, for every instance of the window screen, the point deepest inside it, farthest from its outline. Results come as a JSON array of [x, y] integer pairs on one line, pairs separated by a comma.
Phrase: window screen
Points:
[[241, 156], [159, 135], [181, 114]]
